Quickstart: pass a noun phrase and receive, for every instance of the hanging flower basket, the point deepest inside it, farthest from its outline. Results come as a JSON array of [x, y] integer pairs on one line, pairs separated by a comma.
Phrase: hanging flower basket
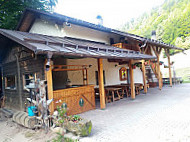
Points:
[[134, 66], [146, 63], [161, 62]]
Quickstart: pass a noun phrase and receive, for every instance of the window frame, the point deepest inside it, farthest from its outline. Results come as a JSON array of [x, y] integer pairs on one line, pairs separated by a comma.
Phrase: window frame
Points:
[[6, 82], [121, 76], [24, 79]]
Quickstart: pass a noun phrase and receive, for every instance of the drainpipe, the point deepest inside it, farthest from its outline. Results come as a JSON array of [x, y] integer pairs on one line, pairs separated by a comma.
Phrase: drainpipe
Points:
[[19, 81]]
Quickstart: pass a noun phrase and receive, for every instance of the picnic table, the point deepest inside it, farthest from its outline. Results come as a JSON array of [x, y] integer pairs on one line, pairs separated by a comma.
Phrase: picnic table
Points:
[[137, 87], [116, 92], [125, 89], [112, 91]]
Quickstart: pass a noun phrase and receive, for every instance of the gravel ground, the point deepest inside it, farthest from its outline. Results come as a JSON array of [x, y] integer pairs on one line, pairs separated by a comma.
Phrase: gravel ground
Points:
[[159, 116]]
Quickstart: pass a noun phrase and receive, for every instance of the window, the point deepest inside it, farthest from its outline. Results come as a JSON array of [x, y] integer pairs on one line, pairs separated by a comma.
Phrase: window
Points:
[[10, 82], [29, 80], [123, 74], [97, 83]]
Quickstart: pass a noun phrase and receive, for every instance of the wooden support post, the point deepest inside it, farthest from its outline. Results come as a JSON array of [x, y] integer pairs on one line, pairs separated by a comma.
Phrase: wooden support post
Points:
[[158, 71], [144, 76], [170, 72], [132, 80], [19, 82], [50, 86], [169, 65], [101, 84]]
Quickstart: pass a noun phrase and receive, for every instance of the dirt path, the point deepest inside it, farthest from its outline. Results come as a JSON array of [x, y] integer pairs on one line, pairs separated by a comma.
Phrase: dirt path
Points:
[[12, 132]]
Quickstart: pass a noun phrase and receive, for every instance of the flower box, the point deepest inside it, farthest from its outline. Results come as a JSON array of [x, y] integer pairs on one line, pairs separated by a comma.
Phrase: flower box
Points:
[[81, 128]]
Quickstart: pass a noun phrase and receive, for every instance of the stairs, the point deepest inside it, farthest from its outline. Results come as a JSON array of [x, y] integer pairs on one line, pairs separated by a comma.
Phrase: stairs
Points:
[[152, 74], [151, 77]]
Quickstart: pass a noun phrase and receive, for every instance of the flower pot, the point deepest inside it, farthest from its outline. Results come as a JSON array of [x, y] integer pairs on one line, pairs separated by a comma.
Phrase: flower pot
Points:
[[80, 128]]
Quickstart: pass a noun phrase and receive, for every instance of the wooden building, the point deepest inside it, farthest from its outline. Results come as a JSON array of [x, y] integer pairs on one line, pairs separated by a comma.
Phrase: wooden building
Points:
[[65, 50]]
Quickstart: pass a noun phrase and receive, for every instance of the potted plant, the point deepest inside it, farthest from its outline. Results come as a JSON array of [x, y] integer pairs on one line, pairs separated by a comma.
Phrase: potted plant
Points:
[[78, 125], [74, 123]]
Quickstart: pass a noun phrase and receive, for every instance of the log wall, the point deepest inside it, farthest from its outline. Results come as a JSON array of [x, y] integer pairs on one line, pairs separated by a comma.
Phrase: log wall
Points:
[[28, 64]]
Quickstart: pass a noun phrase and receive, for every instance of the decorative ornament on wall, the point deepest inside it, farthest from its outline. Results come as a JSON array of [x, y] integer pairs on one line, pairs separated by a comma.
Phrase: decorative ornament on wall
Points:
[[123, 74], [81, 102]]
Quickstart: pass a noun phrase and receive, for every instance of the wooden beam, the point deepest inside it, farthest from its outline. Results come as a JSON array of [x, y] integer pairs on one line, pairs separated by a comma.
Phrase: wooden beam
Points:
[[138, 47], [132, 79], [155, 51], [146, 48], [136, 61], [144, 76], [101, 84], [50, 87], [159, 50]]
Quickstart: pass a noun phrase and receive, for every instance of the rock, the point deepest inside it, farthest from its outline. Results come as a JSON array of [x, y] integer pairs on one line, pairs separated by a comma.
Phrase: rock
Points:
[[81, 128], [69, 137], [29, 134], [58, 130]]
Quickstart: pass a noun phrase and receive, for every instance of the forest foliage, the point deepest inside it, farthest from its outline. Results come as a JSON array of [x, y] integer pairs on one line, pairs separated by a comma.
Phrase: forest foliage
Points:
[[171, 21], [11, 10]]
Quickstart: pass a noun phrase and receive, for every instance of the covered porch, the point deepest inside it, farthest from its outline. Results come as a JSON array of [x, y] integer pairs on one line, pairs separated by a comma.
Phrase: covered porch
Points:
[[100, 68], [100, 65]]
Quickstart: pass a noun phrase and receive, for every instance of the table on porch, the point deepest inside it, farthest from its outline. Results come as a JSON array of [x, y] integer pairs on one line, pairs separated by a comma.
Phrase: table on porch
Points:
[[137, 87], [119, 90], [111, 93]]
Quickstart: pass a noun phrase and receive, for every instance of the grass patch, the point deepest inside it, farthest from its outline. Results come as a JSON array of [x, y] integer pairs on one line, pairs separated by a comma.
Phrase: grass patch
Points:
[[186, 81], [184, 73]]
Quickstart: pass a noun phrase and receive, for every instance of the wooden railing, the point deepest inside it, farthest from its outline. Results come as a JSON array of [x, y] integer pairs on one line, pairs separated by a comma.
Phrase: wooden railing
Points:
[[123, 45], [154, 68], [78, 100]]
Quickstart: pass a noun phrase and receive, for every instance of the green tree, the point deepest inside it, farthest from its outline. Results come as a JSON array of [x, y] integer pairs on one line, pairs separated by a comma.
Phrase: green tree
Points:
[[171, 20], [11, 10]]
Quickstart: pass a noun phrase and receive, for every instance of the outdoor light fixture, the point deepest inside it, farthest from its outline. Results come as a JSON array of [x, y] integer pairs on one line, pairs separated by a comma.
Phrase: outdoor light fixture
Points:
[[68, 24], [116, 65], [48, 65], [90, 66]]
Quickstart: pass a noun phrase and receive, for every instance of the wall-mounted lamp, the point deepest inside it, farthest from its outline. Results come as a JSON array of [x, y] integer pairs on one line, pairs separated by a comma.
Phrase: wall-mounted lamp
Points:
[[68, 24], [116, 65], [90, 66], [48, 65]]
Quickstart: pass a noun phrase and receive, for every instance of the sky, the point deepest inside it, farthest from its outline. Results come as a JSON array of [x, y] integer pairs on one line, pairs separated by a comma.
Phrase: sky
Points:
[[114, 12]]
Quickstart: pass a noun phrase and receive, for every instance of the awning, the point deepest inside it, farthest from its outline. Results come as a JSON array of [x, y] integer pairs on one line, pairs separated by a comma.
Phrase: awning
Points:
[[43, 44]]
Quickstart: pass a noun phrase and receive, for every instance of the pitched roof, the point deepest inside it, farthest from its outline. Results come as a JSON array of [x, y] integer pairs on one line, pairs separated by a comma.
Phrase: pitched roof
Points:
[[63, 18], [43, 44]]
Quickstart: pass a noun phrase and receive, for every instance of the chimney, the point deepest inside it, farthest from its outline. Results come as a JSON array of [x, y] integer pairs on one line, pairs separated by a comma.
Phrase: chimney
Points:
[[153, 35], [99, 20]]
